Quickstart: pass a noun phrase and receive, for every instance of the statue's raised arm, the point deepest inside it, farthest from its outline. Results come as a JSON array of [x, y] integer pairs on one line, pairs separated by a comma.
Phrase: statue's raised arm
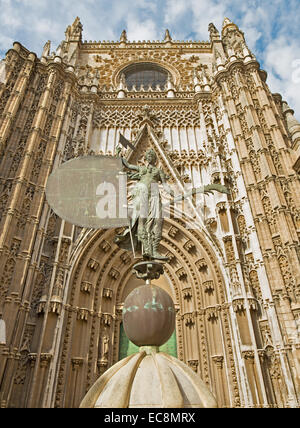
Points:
[[208, 188]]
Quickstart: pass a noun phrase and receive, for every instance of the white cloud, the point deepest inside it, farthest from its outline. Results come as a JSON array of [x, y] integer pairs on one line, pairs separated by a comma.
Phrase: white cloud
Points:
[[141, 30], [5, 42], [282, 61], [175, 10]]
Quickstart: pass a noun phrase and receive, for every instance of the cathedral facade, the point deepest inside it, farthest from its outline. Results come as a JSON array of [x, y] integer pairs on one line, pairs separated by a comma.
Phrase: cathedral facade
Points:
[[207, 112]]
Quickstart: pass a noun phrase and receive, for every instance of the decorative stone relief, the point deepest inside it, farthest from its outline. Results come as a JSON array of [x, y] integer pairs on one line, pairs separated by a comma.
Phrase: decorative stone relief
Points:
[[193, 364], [129, 117], [187, 293], [212, 313], [106, 319], [83, 314], [208, 286], [77, 362], [105, 246], [201, 265], [189, 319], [107, 293], [93, 264], [189, 245], [114, 273], [86, 286], [181, 273], [173, 231]]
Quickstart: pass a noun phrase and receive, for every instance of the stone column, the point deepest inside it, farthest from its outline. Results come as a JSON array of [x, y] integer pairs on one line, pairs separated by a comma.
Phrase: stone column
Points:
[[218, 360], [16, 96]]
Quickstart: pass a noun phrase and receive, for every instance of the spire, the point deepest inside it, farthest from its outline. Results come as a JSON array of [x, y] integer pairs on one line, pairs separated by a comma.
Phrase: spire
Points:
[[123, 37], [213, 32], [292, 123], [228, 24], [59, 53], [46, 49], [74, 32], [167, 37], [2, 71]]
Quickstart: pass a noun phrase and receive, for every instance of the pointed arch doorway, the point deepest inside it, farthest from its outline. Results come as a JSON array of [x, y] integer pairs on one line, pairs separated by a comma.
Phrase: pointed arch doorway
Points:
[[101, 279]]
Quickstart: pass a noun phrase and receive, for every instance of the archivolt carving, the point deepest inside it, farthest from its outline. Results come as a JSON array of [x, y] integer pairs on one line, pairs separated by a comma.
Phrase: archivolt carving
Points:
[[95, 297]]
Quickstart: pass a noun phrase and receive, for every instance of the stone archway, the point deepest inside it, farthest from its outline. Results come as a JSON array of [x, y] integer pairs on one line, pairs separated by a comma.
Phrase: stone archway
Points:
[[98, 285]]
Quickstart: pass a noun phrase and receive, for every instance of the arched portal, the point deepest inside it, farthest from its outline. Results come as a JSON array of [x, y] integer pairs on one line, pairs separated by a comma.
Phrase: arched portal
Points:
[[99, 282]]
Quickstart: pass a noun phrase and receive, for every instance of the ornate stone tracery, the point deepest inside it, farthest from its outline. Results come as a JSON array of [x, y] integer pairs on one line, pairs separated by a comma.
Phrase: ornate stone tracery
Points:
[[234, 276]]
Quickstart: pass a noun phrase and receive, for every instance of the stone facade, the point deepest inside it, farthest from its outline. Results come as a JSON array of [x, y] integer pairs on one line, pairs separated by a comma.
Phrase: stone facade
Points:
[[235, 279]]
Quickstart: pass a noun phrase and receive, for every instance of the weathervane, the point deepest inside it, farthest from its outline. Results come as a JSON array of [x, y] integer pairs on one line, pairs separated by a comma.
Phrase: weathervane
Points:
[[91, 191]]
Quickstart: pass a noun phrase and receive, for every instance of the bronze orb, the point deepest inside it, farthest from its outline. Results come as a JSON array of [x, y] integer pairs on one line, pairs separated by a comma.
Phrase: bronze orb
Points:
[[148, 316]]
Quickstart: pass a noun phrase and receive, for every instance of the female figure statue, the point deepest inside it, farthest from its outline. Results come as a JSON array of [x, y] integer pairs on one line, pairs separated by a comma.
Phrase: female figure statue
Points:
[[147, 218], [145, 231]]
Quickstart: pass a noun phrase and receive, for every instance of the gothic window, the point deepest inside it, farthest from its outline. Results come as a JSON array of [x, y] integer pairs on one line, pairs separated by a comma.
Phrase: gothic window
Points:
[[145, 75]]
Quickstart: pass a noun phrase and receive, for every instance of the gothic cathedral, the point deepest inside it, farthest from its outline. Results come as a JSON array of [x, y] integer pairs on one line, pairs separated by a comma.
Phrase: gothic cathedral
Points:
[[206, 110]]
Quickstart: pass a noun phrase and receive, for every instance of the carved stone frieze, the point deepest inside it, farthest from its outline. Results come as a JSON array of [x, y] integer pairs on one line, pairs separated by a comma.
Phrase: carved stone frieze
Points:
[[129, 117]]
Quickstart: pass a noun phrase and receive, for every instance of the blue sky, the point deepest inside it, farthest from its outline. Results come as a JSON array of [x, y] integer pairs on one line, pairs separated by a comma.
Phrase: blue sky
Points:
[[271, 27]]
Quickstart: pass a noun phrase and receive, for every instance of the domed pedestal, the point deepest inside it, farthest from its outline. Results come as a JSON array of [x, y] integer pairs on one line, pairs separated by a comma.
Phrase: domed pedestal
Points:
[[149, 379]]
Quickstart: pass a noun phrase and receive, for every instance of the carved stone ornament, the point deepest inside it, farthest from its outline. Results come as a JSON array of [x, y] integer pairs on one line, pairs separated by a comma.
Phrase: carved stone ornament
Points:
[[187, 293], [107, 293], [148, 270]]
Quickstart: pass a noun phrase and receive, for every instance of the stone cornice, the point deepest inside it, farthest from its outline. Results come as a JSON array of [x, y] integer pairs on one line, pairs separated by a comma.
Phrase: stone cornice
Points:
[[95, 46]]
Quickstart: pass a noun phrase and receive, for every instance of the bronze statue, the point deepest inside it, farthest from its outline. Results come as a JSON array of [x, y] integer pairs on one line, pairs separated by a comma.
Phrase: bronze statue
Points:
[[147, 218], [145, 231]]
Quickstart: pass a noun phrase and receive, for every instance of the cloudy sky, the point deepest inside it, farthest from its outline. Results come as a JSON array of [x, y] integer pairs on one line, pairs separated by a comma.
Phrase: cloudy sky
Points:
[[271, 27]]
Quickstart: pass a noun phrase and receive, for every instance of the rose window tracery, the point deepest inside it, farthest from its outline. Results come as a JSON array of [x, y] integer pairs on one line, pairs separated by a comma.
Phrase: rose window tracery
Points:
[[144, 76]]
